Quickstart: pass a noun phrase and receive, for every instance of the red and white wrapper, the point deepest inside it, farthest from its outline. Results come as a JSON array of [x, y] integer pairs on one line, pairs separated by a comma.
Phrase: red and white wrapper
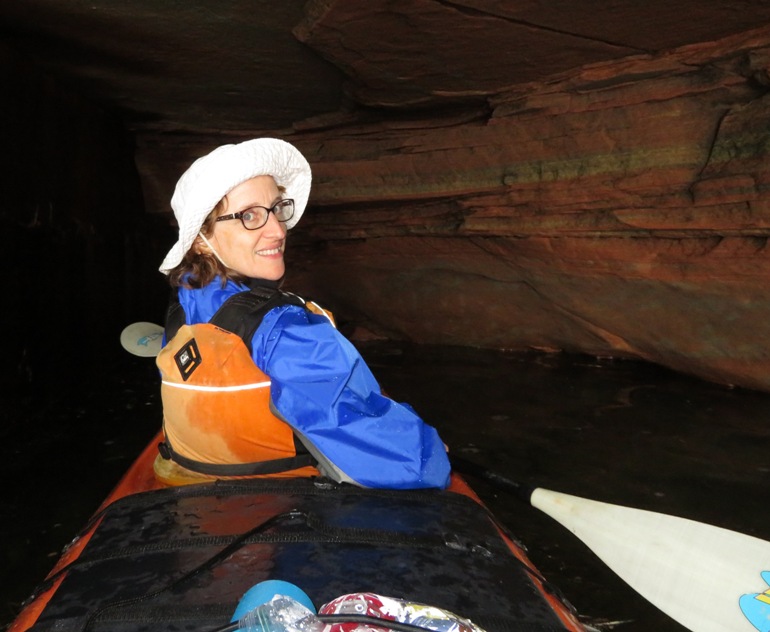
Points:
[[429, 617]]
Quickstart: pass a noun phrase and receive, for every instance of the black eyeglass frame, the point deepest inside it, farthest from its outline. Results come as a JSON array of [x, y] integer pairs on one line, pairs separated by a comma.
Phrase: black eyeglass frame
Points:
[[239, 214]]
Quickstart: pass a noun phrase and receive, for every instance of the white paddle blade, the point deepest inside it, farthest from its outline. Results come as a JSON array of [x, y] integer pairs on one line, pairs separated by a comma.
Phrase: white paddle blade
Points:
[[142, 339], [707, 578]]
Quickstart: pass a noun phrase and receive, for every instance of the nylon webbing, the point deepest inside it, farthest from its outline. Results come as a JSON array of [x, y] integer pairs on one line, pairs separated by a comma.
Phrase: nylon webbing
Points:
[[236, 469]]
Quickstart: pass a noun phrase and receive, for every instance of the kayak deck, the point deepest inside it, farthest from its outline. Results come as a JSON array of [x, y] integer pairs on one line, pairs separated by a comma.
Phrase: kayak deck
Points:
[[180, 558]]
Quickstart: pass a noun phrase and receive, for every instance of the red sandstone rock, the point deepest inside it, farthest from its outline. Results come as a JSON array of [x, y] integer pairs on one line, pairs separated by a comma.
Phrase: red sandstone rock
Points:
[[495, 173], [621, 210]]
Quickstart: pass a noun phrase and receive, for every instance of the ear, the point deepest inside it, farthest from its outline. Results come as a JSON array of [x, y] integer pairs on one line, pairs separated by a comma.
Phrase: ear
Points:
[[199, 246]]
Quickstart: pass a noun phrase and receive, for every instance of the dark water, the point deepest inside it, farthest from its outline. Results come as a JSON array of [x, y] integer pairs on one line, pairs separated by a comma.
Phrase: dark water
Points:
[[621, 432]]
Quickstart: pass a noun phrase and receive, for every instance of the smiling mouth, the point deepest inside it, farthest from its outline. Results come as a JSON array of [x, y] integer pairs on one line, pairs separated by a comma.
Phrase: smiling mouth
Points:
[[271, 251]]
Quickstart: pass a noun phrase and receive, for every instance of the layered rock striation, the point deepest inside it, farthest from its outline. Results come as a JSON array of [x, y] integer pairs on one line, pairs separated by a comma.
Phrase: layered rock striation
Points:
[[618, 210]]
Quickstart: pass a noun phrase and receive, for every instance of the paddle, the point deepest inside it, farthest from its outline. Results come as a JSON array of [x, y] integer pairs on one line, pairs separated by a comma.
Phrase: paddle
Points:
[[707, 578], [142, 339]]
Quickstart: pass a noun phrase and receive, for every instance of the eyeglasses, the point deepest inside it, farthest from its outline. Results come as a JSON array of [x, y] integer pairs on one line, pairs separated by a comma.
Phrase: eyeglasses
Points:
[[255, 217]]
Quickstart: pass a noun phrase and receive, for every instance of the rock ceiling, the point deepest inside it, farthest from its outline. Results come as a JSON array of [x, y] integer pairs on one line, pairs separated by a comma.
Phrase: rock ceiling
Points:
[[202, 67], [197, 71], [558, 175]]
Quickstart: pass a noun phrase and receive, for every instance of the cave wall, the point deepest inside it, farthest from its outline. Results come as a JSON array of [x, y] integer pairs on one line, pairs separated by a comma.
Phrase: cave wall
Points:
[[621, 210], [73, 227]]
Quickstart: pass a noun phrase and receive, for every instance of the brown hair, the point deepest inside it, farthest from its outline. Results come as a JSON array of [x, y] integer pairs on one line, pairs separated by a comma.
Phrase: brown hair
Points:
[[197, 268]]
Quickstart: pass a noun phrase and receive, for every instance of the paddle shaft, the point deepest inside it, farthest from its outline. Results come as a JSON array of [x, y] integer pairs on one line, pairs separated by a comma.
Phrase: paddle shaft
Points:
[[522, 491]]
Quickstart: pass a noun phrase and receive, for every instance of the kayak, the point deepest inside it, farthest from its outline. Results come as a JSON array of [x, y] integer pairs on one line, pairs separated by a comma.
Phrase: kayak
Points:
[[162, 558]]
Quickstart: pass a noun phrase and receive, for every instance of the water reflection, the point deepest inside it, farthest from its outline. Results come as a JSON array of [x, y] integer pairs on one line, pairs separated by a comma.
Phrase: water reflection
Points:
[[617, 431]]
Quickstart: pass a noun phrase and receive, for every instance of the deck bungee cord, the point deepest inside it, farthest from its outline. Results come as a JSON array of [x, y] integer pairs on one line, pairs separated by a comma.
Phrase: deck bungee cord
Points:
[[338, 619], [223, 554]]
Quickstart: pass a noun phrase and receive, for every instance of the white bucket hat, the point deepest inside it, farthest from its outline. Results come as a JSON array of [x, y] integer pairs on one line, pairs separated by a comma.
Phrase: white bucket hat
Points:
[[214, 175]]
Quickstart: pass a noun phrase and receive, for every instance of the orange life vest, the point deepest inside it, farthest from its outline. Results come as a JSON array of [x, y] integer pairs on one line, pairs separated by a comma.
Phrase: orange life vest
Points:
[[217, 420]]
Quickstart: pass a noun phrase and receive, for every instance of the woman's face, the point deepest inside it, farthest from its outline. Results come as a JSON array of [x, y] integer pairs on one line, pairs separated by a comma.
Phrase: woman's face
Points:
[[252, 253]]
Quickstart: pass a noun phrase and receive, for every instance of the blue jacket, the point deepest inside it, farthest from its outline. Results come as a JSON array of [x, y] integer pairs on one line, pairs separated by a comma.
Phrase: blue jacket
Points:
[[322, 387]]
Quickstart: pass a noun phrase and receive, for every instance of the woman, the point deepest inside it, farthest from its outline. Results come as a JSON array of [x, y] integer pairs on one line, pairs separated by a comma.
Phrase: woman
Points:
[[304, 387]]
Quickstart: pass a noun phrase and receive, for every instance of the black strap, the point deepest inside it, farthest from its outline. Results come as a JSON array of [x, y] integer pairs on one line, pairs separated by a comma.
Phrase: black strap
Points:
[[242, 313], [236, 469], [174, 315]]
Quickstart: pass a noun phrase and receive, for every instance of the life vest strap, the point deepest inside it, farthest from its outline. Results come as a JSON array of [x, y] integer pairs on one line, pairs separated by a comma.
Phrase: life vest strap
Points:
[[242, 313], [273, 466]]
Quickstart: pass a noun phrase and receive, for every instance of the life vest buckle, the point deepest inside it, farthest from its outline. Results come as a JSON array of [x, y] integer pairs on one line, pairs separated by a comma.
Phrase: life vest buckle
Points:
[[164, 450]]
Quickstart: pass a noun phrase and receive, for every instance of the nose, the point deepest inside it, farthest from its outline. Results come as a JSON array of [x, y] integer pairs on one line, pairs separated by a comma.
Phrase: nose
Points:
[[273, 227]]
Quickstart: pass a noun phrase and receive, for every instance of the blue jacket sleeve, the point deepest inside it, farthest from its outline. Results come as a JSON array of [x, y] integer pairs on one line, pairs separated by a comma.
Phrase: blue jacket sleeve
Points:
[[323, 388]]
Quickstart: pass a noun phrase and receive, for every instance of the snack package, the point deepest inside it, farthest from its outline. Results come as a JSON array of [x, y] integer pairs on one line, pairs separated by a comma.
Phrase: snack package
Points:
[[369, 604]]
